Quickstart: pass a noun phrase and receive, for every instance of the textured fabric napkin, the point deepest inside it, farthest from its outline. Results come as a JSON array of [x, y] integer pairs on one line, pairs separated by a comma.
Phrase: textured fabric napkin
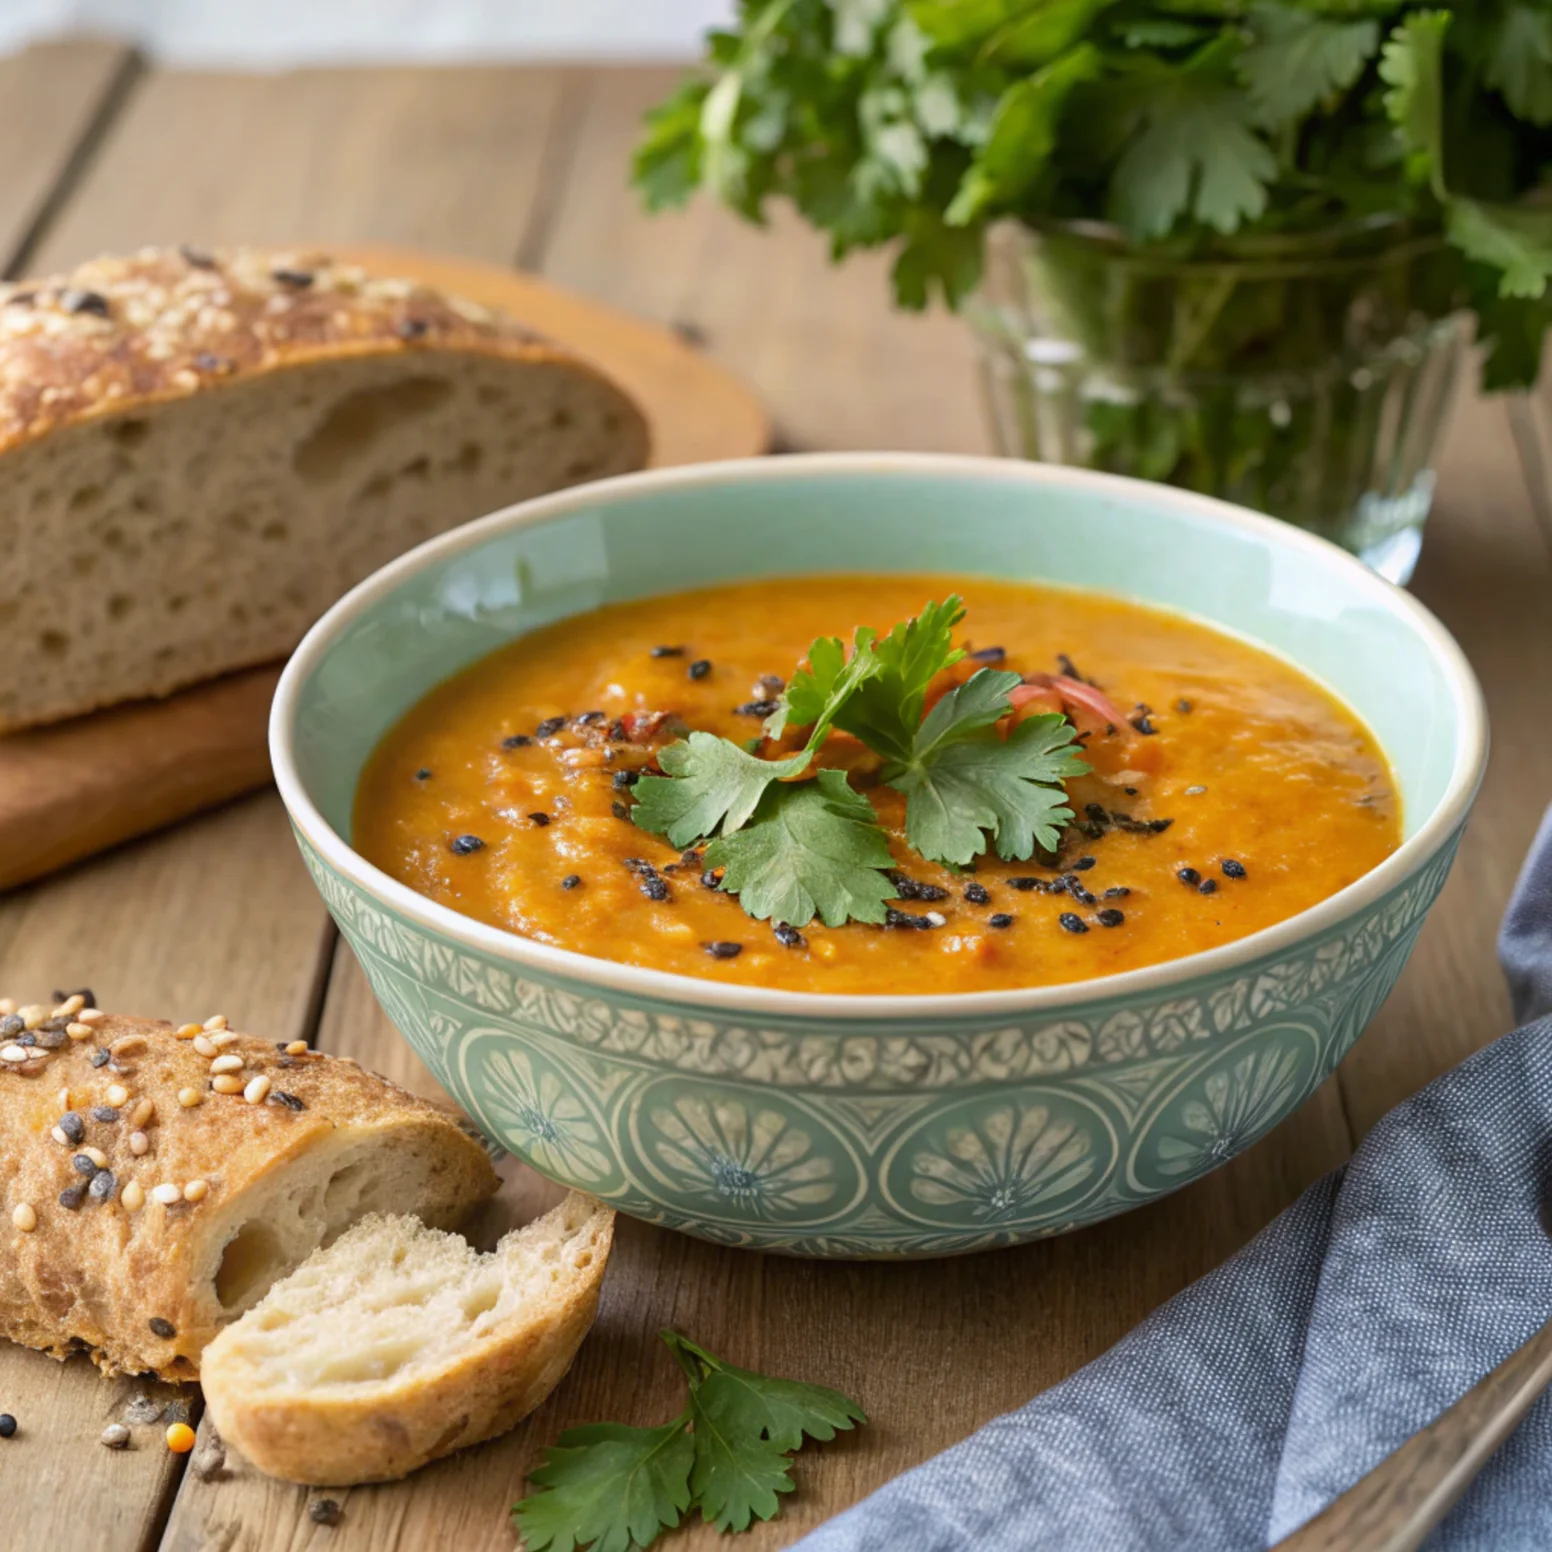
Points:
[[1249, 1401]]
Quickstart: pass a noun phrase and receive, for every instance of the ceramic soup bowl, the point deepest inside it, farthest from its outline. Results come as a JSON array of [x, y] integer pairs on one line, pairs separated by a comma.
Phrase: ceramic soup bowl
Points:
[[880, 1125]]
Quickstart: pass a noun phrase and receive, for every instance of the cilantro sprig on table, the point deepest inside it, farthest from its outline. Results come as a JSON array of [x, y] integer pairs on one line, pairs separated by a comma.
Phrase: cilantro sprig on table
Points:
[[727, 1454], [792, 848]]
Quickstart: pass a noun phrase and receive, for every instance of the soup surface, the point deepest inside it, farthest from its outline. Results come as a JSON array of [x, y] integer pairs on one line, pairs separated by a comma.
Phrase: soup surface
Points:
[[506, 793]]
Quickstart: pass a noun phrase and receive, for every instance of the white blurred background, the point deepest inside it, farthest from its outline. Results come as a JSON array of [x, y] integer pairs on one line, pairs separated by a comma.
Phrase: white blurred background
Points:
[[287, 32]]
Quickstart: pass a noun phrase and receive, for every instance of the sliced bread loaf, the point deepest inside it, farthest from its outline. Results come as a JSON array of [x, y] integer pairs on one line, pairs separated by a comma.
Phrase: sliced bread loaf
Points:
[[200, 452], [399, 1344]]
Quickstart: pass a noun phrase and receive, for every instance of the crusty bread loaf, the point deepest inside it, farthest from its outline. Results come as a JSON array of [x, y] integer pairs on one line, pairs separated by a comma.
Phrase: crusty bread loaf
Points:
[[398, 1345], [200, 452], [93, 1133]]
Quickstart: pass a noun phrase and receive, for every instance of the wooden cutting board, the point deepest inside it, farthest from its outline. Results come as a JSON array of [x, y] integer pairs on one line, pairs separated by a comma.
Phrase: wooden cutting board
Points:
[[76, 788]]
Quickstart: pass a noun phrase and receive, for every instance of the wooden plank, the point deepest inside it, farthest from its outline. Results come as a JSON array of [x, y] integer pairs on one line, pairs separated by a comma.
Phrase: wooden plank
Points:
[[54, 99], [1486, 571], [932, 1349], [220, 914]]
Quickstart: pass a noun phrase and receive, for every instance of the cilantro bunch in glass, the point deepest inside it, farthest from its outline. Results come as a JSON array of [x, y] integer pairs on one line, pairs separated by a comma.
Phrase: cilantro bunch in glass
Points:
[[1221, 200]]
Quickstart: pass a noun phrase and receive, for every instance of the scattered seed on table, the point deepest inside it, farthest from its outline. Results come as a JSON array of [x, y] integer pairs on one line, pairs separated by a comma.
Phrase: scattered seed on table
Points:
[[142, 1409], [180, 1438], [1231, 868], [1110, 917], [977, 894], [1083, 864], [115, 1436], [1073, 922], [7, 1426], [1000, 919], [463, 845], [1208, 886], [549, 727], [1188, 876], [788, 936], [700, 668], [722, 950], [571, 880], [538, 819], [667, 652], [324, 1511]]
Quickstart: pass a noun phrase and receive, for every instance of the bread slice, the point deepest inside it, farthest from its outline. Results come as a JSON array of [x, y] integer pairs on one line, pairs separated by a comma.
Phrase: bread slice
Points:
[[94, 1130], [398, 1344], [200, 452]]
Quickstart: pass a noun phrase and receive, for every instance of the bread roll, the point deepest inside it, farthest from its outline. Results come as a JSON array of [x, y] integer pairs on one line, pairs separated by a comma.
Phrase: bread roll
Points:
[[398, 1345], [136, 1224], [200, 452]]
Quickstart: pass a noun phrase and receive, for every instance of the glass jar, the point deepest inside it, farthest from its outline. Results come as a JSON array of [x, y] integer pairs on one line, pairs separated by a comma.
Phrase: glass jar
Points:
[[1303, 375]]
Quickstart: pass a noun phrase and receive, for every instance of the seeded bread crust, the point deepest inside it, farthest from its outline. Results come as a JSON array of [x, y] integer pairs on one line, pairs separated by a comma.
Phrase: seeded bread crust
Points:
[[124, 333], [135, 1287]]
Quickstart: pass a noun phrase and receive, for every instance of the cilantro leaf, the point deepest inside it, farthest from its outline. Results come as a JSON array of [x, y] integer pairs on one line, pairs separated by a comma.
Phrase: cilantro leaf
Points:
[[1195, 155], [710, 781], [812, 847], [737, 1472], [884, 709], [667, 163], [1520, 63], [1514, 239], [962, 781], [1412, 66], [784, 1410], [612, 1486], [818, 691], [1296, 60]]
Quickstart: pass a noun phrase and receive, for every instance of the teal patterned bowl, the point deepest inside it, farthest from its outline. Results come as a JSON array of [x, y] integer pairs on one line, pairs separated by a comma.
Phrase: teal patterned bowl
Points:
[[876, 1126]]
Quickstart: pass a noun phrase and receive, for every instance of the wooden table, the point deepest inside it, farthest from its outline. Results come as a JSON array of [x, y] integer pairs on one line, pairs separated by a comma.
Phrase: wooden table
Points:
[[527, 167]]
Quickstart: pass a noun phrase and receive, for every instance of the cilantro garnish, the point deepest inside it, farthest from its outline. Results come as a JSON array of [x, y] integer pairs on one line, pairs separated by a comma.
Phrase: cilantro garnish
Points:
[[791, 850], [728, 1454], [962, 781], [814, 848]]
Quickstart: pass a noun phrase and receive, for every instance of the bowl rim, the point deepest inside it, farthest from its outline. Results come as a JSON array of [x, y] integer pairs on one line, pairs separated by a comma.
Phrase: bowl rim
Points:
[[663, 986]]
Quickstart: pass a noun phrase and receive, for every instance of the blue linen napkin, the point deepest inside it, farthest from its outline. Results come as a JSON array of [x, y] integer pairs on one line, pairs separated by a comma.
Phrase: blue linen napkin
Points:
[[1252, 1399]]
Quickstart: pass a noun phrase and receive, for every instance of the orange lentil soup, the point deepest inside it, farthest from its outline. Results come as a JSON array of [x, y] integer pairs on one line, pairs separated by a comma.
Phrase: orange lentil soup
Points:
[[1234, 793]]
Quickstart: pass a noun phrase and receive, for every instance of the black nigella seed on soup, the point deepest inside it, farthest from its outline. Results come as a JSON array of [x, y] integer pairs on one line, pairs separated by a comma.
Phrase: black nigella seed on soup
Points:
[[1073, 922], [516, 741], [1083, 864], [789, 937], [571, 880], [423, 774], [1117, 892], [654, 888], [1026, 883], [977, 894], [591, 718], [988, 655], [462, 845], [1232, 869], [1208, 886], [1183, 706], [894, 918], [756, 708], [700, 668], [668, 652], [1000, 919], [1067, 666], [1188, 876], [711, 879], [538, 819], [626, 778], [1141, 722], [549, 727], [1110, 917], [724, 950], [619, 810]]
